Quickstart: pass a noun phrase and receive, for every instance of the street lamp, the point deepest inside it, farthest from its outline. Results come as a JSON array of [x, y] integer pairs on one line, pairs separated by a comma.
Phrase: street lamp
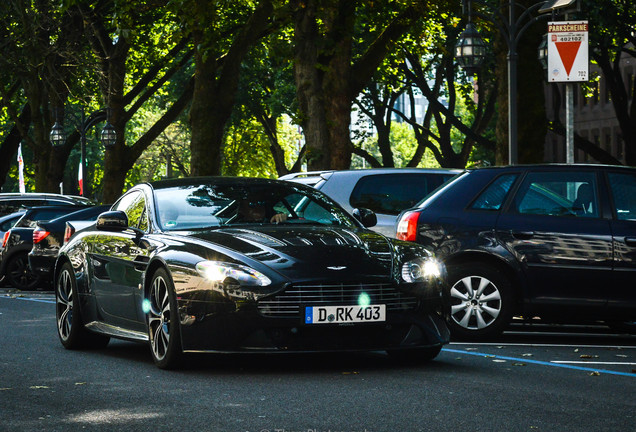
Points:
[[108, 135], [470, 49]]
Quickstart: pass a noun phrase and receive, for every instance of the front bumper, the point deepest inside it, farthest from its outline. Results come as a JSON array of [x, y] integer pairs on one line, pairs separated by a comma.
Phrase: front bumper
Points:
[[245, 329]]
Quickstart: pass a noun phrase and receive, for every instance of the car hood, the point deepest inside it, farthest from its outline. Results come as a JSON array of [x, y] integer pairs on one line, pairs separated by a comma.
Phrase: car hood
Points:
[[309, 252]]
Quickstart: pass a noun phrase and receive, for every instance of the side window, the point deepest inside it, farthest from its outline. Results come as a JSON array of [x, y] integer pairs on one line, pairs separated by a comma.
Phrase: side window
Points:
[[392, 193], [134, 205], [493, 197], [566, 193], [623, 188]]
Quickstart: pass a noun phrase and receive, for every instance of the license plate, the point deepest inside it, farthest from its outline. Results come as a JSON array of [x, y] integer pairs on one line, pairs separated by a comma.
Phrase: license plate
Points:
[[344, 314]]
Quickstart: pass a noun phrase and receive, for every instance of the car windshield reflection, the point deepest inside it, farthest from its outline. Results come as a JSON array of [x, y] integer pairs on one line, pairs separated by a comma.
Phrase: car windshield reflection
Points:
[[215, 205]]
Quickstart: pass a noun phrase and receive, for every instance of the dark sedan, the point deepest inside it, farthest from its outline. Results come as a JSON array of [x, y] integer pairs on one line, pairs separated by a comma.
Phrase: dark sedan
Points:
[[553, 241], [8, 221], [17, 242], [48, 237], [245, 265]]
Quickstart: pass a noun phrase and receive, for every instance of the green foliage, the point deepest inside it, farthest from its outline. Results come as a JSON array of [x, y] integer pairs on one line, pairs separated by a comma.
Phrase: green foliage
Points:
[[246, 151], [44, 44], [403, 143]]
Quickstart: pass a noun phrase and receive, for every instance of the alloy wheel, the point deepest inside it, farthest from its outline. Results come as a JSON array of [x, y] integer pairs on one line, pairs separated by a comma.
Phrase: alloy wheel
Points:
[[64, 305], [475, 302], [159, 317]]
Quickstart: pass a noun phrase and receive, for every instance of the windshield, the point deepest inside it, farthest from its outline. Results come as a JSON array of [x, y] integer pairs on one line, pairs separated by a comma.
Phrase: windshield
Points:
[[245, 203]]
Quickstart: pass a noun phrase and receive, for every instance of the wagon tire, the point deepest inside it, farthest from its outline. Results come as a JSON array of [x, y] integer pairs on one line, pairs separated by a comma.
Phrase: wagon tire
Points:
[[19, 274], [482, 301]]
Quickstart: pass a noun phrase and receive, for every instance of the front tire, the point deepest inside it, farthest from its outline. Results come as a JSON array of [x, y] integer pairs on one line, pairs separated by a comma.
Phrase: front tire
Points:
[[70, 327], [163, 322], [481, 301]]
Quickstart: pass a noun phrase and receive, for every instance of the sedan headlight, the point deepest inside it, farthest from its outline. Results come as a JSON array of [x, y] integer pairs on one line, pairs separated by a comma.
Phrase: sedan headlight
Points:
[[421, 269], [218, 271]]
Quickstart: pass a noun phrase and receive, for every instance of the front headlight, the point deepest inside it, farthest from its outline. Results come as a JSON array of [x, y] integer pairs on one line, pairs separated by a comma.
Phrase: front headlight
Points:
[[422, 269], [218, 271]]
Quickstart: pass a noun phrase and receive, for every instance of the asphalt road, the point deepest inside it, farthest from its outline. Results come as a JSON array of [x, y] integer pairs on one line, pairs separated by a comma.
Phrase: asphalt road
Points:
[[546, 379]]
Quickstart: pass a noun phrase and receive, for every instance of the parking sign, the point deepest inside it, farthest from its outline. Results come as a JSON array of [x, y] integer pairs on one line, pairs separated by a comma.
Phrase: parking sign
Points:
[[568, 59]]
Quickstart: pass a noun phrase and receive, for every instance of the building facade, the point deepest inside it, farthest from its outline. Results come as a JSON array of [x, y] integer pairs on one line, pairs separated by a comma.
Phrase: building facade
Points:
[[594, 115]]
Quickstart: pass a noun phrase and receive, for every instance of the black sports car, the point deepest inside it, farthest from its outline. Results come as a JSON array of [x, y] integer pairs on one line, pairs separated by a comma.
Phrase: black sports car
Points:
[[245, 265]]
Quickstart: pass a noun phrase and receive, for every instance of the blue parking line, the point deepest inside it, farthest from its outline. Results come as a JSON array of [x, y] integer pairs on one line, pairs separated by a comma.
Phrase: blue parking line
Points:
[[541, 363], [31, 299]]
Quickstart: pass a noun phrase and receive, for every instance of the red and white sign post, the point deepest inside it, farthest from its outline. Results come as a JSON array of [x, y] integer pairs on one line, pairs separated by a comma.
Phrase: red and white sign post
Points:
[[568, 62], [568, 58]]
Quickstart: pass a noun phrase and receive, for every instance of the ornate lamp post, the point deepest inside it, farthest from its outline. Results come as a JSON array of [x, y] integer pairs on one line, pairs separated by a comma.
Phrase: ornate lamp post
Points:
[[108, 134]]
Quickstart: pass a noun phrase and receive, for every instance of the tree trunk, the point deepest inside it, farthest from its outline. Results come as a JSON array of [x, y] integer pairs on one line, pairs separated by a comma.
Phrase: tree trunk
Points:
[[309, 79], [327, 80], [113, 186], [215, 87], [337, 85], [115, 162], [207, 120]]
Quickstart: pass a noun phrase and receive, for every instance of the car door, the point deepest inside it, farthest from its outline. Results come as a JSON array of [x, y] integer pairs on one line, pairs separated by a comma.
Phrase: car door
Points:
[[622, 293], [556, 228], [117, 263]]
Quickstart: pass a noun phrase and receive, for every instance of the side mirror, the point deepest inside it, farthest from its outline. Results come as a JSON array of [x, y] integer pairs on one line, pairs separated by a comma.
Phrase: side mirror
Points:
[[365, 216], [115, 220]]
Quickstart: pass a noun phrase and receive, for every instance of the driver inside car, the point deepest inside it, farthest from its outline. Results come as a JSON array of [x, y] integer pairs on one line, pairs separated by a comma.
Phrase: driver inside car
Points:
[[255, 211]]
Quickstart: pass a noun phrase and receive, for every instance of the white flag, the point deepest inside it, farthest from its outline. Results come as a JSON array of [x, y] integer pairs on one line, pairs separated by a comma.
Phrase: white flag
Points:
[[80, 179], [21, 169]]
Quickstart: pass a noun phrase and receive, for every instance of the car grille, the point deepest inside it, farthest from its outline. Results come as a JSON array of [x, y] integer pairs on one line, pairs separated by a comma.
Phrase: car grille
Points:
[[289, 302]]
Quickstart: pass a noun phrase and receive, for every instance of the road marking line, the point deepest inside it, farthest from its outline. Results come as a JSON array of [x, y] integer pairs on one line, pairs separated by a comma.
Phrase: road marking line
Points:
[[540, 363], [595, 363], [504, 344], [31, 299]]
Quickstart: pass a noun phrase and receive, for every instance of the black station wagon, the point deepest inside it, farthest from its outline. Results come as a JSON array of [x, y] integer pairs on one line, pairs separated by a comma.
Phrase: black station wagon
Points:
[[553, 241]]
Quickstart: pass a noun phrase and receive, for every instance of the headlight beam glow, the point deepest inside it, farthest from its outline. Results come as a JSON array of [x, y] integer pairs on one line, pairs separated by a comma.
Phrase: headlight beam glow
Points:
[[421, 269], [218, 271]]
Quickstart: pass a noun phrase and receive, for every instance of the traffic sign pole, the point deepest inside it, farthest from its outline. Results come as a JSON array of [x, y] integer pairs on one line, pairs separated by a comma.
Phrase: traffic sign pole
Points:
[[568, 62]]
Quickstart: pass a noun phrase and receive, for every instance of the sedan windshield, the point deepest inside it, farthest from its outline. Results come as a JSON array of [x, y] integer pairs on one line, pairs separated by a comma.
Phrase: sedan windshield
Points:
[[214, 205]]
